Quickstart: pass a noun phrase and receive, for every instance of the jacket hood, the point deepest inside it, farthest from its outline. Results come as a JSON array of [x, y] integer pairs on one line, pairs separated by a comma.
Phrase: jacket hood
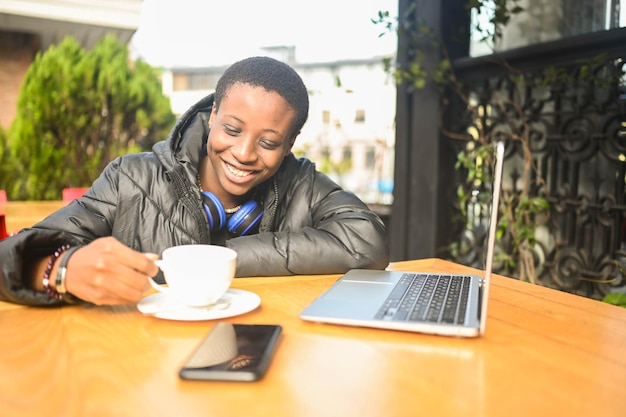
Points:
[[187, 137], [201, 109]]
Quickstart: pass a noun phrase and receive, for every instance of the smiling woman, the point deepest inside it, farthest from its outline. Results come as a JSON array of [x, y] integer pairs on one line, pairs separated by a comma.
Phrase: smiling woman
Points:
[[228, 158]]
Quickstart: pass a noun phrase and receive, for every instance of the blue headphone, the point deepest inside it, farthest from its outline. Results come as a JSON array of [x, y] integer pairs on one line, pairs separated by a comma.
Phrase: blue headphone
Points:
[[243, 221]]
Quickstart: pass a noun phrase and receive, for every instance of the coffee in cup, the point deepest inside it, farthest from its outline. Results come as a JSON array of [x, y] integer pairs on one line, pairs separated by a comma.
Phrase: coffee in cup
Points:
[[196, 275]]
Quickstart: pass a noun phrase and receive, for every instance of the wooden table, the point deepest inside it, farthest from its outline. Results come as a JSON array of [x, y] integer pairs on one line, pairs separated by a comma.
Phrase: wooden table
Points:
[[20, 214], [545, 353]]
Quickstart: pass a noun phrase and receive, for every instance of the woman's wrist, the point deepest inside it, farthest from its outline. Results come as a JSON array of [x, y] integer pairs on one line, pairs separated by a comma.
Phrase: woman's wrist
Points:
[[60, 286], [47, 274]]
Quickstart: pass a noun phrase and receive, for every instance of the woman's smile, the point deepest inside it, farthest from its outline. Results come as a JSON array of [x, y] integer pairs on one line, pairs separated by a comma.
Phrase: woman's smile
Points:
[[238, 175]]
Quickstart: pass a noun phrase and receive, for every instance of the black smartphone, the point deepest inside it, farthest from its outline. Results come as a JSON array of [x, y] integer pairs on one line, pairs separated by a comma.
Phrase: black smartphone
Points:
[[233, 352]]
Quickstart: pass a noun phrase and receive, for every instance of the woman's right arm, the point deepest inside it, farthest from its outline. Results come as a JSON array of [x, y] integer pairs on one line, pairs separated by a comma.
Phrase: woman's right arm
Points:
[[102, 272]]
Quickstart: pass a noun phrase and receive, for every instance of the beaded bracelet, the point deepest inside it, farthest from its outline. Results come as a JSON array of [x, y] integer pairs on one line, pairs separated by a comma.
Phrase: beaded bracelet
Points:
[[62, 270], [46, 275]]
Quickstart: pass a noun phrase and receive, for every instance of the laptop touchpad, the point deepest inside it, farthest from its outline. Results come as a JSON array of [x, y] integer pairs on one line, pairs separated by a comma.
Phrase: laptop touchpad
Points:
[[358, 298], [351, 290]]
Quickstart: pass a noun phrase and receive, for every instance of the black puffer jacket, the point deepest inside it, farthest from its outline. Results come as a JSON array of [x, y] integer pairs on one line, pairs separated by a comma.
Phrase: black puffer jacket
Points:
[[151, 201]]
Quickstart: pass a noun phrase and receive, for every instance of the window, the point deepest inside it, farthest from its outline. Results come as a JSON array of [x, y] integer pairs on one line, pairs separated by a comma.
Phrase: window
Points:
[[326, 117], [370, 157], [195, 81], [546, 20], [181, 82], [347, 153]]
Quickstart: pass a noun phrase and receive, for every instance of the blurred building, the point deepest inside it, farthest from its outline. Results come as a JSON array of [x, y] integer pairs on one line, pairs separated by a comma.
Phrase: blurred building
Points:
[[350, 132], [31, 26]]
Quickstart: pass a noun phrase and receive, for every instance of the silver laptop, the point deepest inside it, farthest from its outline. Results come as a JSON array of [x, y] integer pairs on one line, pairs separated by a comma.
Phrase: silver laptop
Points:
[[414, 301]]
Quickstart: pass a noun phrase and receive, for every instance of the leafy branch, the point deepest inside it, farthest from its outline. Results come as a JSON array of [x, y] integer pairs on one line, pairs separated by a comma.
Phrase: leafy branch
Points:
[[499, 116]]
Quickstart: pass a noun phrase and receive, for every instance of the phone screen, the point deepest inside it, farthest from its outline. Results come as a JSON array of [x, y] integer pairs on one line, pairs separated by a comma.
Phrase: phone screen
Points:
[[233, 352]]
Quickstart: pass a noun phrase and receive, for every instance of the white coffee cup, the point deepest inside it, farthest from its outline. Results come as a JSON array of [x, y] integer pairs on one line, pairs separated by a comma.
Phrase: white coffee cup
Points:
[[196, 275]]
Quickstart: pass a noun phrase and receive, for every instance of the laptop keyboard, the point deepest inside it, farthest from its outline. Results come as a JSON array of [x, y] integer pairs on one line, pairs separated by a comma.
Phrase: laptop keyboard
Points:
[[432, 298]]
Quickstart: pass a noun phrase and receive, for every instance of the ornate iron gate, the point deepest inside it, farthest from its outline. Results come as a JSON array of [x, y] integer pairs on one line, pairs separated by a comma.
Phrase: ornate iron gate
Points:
[[578, 144]]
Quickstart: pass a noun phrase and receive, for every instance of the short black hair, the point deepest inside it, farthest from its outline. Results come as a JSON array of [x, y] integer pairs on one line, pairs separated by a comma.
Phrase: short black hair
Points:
[[272, 75]]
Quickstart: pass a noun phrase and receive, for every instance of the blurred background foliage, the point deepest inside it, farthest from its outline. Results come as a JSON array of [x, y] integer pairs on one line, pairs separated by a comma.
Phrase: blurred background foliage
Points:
[[78, 110]]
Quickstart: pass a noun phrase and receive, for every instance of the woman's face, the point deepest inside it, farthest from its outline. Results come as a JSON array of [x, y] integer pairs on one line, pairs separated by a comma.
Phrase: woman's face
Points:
[[249, 137]]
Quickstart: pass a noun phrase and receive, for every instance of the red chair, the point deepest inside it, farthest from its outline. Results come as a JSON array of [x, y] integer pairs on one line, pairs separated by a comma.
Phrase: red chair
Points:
[[3, 226], [71, 194], [3, 201]]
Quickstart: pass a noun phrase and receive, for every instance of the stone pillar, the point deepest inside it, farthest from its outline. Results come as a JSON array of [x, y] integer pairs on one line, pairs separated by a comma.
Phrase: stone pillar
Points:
[[17, 51], [424, 164]]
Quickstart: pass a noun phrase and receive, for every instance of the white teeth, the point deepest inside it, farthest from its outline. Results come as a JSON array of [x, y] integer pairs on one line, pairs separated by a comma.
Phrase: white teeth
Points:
[[237, 172]]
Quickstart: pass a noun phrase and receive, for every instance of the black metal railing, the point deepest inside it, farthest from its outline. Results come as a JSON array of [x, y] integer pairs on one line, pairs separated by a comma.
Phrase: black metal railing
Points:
[[578, 147]]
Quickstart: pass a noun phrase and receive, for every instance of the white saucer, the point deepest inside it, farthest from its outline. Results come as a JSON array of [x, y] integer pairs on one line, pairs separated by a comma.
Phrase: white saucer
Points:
[[232, 303]]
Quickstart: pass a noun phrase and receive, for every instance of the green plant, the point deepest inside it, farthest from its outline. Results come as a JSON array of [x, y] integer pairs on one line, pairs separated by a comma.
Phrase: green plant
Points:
[[4, 158], [615, 298], [77, 110], [497, 117]]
